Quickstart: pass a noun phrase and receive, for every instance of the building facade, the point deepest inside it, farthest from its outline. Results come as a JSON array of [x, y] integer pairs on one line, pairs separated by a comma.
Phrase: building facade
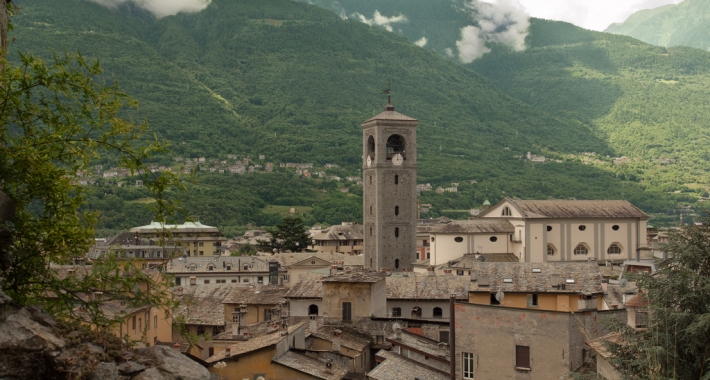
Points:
[[389, 192]]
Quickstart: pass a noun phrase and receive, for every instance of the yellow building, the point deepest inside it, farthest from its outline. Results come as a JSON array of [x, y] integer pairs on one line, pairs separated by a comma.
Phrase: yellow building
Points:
[[260, 300], [196, 238]]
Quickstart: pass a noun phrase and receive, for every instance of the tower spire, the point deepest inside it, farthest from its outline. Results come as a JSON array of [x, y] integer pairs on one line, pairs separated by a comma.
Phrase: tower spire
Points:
[[389, 106]]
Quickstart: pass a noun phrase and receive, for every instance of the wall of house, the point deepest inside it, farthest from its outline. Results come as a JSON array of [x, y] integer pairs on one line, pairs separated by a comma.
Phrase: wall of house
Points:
[[413, 354], [357, 361], [444, 247], [255, 313], [378, 299], [156, 330], [299, 307], [230, 278], [368, 299], [426, 306], [597, 236], [549, 301]]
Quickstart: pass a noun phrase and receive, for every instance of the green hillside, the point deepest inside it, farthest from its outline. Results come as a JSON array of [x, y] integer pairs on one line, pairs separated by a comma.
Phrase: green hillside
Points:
[[292, 82], [684, 24]]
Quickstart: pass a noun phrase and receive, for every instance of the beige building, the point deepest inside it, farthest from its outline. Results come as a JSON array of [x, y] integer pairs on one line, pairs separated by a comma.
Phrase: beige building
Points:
[[247, 270], [299, 263], [145, 253], [349, 296], [572, 230], [454, 239], [344, 238], [196, 238], [250, 305]]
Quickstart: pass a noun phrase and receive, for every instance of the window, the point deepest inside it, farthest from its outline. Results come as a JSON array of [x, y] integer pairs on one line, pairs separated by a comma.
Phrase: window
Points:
[[396, 263], [549, 228], [459, 272], [140, 325], [550, 250], [432, 239], [522, 357], [200, 330], [370, 180], [532, 300], [235, 317], [641, 319], [458, 239], [493, 239], [202, 244], [268, 314], [444, 336], [211, 351], [313, 310], [405, 352], [155, 321], [506, 211], [371, 146], [582, 227], [370, 231], [614, 249], [395, 144], [202, 253], [396, 179], [370, 210], [207, 281], [581, 249], [396, 232], [615, 227], [177, 280], [347, 311], [260, 278], [467, 362], [215, 331], [396, 210], [210, 267], [438, 313], [133, 324], [147, 320], [396, 311]]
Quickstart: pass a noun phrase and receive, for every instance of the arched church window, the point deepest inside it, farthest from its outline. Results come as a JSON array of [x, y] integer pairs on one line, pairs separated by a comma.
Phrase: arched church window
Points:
[[395, 144], [371, 146], [396, 232], [506, 211], [396, 179]]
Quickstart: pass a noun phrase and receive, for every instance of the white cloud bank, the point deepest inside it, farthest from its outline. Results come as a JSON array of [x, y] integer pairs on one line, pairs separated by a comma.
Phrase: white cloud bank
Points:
[[421, 42], [501, 21], [160, 8], [379, 20]]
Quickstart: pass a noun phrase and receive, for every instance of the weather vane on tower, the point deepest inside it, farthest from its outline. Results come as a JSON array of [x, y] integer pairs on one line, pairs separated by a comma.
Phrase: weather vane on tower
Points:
[[389, 106]]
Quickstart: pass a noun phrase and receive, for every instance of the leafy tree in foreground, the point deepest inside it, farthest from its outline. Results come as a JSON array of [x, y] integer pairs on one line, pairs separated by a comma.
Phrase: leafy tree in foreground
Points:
[[55, 119], [289, 235], [676, 344]]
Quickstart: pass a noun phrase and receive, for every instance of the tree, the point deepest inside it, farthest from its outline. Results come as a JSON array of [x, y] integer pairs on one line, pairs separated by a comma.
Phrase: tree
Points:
[[676, 344], [289, 235], [57, 119]]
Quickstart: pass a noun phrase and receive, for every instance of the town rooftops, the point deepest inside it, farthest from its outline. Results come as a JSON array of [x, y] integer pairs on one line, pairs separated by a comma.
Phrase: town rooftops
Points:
[[639, 300], [349, 339], [269, 295], [340, 232], [427, 287], [185, 227], [355, 276], [308, 286], [397, 367], [202, 305], [581, 278], [472, 226], [218, 264], [310, 366], [427, 346], [244, 347], [296, 258], [565, 209], [468, 259]]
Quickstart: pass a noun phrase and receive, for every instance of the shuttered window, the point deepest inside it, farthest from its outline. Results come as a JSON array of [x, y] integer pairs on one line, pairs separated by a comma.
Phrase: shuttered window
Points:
[[347, 311], [522, 357]]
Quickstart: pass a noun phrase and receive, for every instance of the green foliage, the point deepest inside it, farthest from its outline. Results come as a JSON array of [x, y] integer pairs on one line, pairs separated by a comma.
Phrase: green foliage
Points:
[[675, 345], [245, 250], [290, 235]]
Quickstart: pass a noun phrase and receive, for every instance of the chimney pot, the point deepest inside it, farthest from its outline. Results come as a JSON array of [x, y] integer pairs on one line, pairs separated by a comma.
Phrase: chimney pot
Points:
[[176, 346], [228, 351]]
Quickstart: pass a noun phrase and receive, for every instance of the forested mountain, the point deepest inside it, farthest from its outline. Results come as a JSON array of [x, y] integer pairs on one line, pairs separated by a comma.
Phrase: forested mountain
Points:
[[292, 81], [683, 24]]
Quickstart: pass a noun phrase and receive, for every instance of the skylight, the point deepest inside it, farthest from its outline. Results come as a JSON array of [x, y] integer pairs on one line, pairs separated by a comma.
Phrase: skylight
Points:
[[537, 270], [570, 281], [508, 280]]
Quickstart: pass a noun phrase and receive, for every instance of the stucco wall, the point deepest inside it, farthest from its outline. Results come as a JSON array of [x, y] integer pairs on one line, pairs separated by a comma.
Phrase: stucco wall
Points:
[[426, 306], [359, 294], [299, 307], [444, 247]]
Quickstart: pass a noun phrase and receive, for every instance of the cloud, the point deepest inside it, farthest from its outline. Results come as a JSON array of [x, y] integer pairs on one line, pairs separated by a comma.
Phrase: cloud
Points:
[[502, 21], [379, 20], [160, 8], [421, 42]]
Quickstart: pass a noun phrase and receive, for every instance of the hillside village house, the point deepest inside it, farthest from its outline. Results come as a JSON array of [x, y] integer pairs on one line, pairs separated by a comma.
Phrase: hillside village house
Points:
[[145, 253], [345, 238], [223, 270], [197, 239], [572, 230], [298, 263]]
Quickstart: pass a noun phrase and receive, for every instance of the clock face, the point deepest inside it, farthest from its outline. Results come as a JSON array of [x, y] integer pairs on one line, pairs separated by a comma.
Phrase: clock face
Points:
[[397, 159], [369, 160]]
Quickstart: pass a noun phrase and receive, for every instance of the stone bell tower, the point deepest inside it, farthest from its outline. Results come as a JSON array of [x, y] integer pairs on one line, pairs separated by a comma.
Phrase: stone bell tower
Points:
[[389, 151]]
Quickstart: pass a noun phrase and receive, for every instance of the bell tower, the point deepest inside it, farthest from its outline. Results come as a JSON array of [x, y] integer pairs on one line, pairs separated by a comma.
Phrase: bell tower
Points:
[[389, 151]]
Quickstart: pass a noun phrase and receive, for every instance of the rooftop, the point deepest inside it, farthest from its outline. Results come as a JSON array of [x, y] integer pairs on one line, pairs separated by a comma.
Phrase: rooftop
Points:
[[202, 305], [357, 342], [355, 276], [427, 287], [310, 366], [599, 346], [582, 278], [397, 367], [340, 232], [185, 227], [418, 342], [253, 344], [308, 286], [472, 226], [269, 295], [289, 259], [468, 259], [560, 209], [219, 264]]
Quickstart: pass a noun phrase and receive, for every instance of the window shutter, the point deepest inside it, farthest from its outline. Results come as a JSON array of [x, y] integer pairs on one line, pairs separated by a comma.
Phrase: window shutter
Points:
[[522, 356]]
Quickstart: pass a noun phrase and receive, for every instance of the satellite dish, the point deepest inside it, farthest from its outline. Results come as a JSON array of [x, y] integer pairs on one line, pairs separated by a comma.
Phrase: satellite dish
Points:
[[184, 255], [623, 282], [395, 326], [499, 296]]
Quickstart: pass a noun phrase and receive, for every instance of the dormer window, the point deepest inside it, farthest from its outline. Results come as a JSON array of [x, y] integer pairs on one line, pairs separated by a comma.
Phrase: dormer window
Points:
[[569, 281], [506, 211], [508, 280]]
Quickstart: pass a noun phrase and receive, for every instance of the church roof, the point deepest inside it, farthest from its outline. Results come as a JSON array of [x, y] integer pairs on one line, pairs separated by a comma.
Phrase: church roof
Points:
[[391, 115], [563, 208]]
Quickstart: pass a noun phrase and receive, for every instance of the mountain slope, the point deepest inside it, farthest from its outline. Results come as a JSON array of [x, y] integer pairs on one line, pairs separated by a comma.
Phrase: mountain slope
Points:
[[684, 24], [293, 81]]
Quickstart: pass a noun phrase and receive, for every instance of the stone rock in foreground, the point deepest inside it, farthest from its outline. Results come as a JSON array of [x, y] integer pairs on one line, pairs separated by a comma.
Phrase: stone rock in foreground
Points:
[[171, 364]]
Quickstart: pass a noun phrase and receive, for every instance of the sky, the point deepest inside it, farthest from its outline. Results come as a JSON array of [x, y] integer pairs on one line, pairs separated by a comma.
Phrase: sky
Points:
[[589, 14]]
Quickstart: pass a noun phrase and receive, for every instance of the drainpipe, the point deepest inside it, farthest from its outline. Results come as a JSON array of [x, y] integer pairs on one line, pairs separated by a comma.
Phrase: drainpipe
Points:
[[452, 335]]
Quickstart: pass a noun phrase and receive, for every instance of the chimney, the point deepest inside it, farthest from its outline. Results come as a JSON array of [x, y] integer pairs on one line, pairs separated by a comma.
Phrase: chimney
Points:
[[447, 272], [235, 330], [179, 291], [336, 340], [242, 315], [398, 333], [333, 269], [313, 324], [405, 272], [246, 334], [329, 366], [441, 349], [430, 271], [176, 346], [228, 351], [259, 285]]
